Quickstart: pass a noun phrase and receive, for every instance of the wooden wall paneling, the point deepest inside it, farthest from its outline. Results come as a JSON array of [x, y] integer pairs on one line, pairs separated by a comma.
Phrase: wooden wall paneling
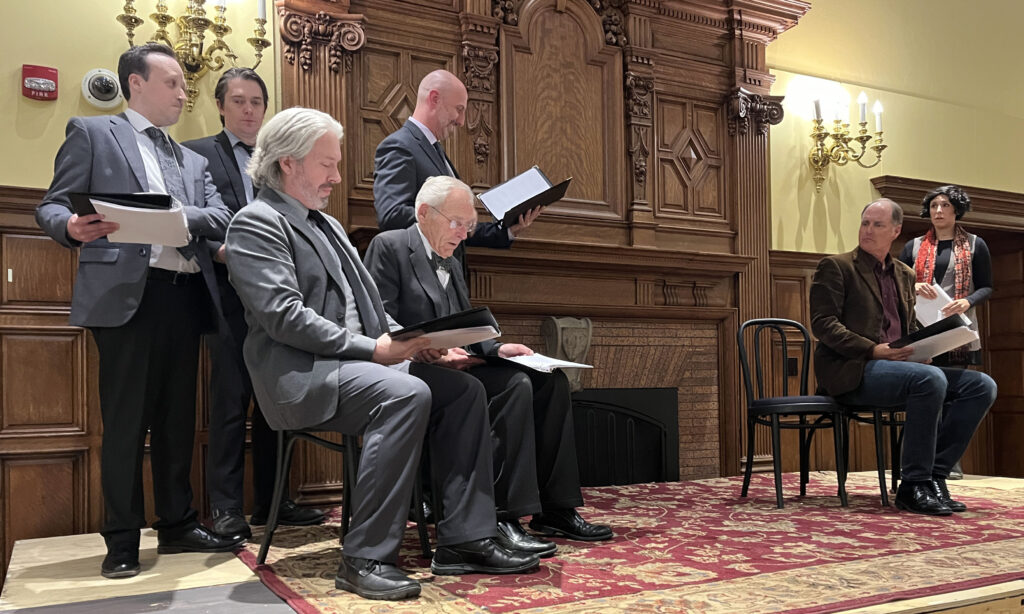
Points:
[[570, 126]]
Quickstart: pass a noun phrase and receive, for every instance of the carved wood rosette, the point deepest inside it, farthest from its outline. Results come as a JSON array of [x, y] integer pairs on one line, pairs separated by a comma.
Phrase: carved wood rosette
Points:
[[479, 64], [342, 35]]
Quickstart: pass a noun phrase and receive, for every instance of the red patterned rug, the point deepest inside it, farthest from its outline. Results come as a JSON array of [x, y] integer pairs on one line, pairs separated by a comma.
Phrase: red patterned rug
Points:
[[699, 547]]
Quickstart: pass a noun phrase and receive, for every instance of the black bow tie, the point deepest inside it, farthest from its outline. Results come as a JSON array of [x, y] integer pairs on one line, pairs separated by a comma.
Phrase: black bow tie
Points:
[[444, 264]]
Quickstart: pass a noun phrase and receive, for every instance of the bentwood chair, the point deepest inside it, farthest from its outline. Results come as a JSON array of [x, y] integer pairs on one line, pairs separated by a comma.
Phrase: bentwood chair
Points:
[[349, 447], [882, 419], [768, 410]]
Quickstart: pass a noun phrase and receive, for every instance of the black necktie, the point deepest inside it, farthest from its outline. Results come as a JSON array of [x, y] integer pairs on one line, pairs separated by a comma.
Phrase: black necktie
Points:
[[444, 158], [442, 264], [173, 182], [373, 319], [247, 148]]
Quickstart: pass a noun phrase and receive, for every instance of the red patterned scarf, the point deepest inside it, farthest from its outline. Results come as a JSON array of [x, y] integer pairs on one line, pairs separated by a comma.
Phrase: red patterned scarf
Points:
[[960, 260]]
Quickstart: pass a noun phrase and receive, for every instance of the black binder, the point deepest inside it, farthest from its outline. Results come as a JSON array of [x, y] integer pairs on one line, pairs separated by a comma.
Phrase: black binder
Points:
[[947, 323], [144, 200], [552, 194], [471, 318]]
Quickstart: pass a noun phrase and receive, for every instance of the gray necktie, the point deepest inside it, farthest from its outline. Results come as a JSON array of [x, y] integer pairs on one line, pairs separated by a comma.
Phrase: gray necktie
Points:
[[173, 181]]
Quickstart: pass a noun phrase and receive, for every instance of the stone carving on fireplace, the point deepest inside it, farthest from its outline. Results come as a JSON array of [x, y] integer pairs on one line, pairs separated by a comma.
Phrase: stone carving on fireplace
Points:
[[567, 339]]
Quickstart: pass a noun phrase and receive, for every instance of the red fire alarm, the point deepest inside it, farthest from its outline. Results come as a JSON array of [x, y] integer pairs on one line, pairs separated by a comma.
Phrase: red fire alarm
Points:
[[38, 82]]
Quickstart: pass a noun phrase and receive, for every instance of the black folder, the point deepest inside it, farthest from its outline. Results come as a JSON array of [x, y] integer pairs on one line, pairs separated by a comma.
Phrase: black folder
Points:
[[552, 194], [947, 323], [145, 200], [471, 318]]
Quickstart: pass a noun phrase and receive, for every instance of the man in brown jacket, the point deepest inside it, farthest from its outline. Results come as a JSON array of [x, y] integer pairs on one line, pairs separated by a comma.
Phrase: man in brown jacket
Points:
[[860, 302]]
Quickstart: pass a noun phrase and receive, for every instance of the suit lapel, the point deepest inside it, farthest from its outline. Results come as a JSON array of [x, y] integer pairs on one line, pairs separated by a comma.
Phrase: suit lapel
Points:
[[297, 218], [230, 163], [425, 274], [124, 134], [460, 287], [426, 147], [189, 170]]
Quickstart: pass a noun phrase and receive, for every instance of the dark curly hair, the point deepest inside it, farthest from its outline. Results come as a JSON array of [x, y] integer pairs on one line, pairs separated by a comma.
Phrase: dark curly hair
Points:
[[957, 197]]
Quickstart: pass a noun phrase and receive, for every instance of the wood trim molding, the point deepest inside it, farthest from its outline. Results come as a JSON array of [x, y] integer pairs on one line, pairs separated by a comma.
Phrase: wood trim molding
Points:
[[16, 199], [989, 208]]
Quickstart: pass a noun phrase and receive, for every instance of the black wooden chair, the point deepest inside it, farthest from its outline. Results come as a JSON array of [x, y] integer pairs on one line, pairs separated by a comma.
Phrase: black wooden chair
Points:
[[882, 419], [349, 447], [768, 410]]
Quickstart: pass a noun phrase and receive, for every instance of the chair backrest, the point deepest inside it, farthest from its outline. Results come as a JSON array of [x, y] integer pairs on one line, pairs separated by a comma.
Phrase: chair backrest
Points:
[[764, 327]]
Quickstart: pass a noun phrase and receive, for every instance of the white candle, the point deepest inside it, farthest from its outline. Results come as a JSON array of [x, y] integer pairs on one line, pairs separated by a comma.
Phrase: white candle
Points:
[[878, 115], [817, 109], [862, 103], [261, 9], [220, 3]]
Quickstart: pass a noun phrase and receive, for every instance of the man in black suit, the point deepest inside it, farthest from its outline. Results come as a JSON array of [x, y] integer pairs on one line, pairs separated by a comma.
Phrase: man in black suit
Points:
[[411, 154], [535, 465], [242, 101], [145, 305]]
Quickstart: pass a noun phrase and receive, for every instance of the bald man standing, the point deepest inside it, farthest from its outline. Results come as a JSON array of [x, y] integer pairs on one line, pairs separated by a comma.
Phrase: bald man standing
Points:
[[411, 154]]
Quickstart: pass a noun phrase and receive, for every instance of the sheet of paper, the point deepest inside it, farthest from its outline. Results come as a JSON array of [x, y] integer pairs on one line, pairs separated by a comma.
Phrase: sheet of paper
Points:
[[942, 342], [154, 226], [501, 198], [929, 310], [458, 337], [540, 362]]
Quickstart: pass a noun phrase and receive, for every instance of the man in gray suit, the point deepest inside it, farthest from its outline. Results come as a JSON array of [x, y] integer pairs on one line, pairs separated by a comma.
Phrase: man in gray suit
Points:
[[145, 305], [535, 465], [320, 356], [411, 154], [241, 99]]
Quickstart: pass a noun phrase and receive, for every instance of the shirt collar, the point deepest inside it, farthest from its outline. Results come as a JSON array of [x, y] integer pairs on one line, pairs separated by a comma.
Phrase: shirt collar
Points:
[[291, 201], [139, 121], [426, 131], [426, 244], [234, 140]]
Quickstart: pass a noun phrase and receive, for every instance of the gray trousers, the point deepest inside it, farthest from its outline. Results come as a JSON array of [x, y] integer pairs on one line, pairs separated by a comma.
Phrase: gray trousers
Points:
[[394, 409]]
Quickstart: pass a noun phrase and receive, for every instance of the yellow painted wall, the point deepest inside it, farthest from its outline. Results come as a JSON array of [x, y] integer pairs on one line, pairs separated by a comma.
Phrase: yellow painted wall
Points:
[[82, 35], [943, 70]]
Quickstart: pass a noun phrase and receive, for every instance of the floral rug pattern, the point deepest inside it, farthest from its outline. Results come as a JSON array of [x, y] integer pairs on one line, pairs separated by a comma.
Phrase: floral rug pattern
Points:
[[700, 547]]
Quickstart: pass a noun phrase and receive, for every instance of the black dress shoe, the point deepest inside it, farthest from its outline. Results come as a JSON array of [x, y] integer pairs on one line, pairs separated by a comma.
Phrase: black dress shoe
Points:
[[569, 523], [919, 497], [374, 580], [511, 536], [231, 523], [197, 539], [942, 494], [290, 514], [120, 565], [480, 556]]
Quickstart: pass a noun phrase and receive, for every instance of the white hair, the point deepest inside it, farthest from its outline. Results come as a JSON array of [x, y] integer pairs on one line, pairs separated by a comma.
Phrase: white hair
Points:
[[435, 190], [291, 133]]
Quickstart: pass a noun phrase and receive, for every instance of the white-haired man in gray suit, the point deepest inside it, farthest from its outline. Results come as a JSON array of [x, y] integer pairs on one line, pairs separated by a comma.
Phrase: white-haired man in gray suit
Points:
[[320, 356]]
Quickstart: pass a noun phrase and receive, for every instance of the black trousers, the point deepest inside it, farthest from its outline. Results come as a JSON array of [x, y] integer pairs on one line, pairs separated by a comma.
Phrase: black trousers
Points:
[[147, 382], [230, 398], [533, 440]]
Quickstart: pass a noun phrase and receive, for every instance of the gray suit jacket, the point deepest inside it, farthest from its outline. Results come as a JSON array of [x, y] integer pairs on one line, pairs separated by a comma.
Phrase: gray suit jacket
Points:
[[284, 272], [398, 262], [404, 160], [100, 154]]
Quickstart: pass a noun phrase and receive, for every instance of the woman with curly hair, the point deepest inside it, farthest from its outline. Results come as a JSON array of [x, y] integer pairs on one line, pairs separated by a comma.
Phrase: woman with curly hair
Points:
[[957, 261]]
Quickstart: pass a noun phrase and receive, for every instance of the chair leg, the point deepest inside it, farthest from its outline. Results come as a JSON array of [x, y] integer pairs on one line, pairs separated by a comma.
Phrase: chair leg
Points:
[[285, 445], [806, 437], [840, 447], [750, 457], [421, 522], [880, 457], [777, 459], [894, 451], [351, 471]]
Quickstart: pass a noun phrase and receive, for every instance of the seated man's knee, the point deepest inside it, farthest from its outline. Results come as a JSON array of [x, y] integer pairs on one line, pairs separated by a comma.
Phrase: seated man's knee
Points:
[[929, 379]]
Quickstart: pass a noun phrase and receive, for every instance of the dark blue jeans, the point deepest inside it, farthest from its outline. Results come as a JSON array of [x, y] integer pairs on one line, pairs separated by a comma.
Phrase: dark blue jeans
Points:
[[944, 407]]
